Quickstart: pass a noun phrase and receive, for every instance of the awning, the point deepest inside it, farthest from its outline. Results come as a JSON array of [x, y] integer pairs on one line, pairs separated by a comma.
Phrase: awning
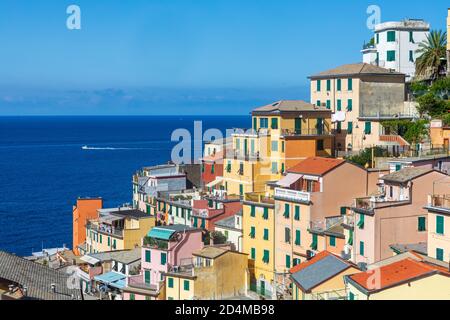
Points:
[[111, 278], [215, 182], [159, 233], [289, 180], [89, 259], [120, 284]]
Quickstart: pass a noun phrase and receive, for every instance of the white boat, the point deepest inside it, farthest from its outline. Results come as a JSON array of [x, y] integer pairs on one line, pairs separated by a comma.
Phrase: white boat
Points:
[[85, 147]]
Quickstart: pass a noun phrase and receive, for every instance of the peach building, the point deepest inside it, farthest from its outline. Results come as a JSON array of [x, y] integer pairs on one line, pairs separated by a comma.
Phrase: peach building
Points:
[[84, 210], [393, 215], [439, 134], [310, 202]]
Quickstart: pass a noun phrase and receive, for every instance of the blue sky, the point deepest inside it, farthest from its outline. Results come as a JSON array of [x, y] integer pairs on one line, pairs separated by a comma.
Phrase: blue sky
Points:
[[131, 57]]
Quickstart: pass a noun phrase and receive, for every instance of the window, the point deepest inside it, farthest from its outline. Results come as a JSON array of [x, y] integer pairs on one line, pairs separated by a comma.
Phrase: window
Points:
[[411, 37], [411, 56], [253, 253], [266, 234], [163, 258], [241, 168], [147, 276], [274, 167], [203, 225], [255, 124], [440, 254], [296, 261], [361, 248], [114, 244], [350, 128], [286, 210], [298, 240], [264, 123], [252, 232], [252, 211], [297, 213], [350, 84], [361, 221], [328, 104], [282, 146], [391, 36], [320, 145], [318, 85], [351, 296], [109, 241], [328, 85], [422, 224], [266, 256], [378, 38], [318, 103], [266, 214], [275, 146], [440, 225], [238, 144], [288, 261], [213, 168], [339, 127], [349, 104], [186, 285], [390, 55], [170, 282], [314, 242], [343, 211], [339, 84], [368, 127], [339, 105], [282, 168], [241, 190], [101, 239], [148, 256], [132, 296], [332, 241], [287, 235], [274, 124]]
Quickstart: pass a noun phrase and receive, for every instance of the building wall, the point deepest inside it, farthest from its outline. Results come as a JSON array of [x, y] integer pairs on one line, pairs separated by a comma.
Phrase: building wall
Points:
[[135, 230], [178, 291], [437, 240], [208, 175], [84, 210]]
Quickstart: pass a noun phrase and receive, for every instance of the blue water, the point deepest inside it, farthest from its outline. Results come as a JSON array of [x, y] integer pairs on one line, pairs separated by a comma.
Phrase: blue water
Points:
[[43, 169]]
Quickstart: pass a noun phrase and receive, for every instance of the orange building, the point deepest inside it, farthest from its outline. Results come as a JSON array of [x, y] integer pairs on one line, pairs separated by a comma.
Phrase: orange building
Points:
[[84, 210]]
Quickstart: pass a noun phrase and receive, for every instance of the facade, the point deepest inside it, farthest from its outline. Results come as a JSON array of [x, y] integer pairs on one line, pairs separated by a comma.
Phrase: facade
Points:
[[439, 225], [212, 167], [84, 210], [117, 229], [395, 44], [439, 163], [361, 96], [393, 215], [231, 228], [321, 278], [283, 134], [207, 212], [164, 249], [406, 279], [214, 273], [310, 203], [440, 135], [149, 181]]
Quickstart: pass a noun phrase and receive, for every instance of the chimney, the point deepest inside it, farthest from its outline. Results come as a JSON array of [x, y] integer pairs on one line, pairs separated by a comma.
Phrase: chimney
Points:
[[24, 291]]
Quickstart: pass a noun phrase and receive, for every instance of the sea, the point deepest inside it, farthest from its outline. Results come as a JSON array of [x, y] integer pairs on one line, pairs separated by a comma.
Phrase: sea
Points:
[[46, 163]]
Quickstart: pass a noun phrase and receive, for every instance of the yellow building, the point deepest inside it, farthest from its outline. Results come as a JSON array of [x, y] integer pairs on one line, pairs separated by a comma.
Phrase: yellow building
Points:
[[122, 229], [321, 278], [258, 233], [439, 226], [361, 96], [283, 134], [214, 273], [407, 279]]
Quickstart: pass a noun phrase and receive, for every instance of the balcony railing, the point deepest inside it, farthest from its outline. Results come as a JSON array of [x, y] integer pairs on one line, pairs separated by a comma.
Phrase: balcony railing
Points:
[[259, 198], [156, 243], [139, 282], [440, 201], [305, 132], [292, 195], [108, 230]]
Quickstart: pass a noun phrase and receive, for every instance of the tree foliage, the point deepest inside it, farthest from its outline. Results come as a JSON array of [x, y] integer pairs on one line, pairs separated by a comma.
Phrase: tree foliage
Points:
[[411, 131], [431, 52]]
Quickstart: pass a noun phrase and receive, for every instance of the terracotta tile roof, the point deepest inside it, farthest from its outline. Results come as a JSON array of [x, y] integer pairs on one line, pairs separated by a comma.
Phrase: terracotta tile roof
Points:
[[355, 69], [316, 166], [396, 273]]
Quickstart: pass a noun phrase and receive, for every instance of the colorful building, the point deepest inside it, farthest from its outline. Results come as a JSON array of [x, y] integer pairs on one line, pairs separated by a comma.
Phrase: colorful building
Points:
[[321, 278], [395, 214], [438, 208], [117, 229], [207, 212], [361, 96], [165, 248], [283, 134], [440, 135], [231, 228], [406, 279], [214, 273], [84, 210]]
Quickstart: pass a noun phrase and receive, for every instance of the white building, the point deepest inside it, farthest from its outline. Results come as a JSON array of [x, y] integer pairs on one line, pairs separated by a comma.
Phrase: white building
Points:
[[231, 227], [395, 45]]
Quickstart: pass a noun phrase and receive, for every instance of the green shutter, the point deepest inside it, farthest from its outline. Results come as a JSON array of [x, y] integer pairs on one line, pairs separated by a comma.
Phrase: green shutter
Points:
[[350, 105], [350, 84], [253, 253], [339, 105], [163, 258], [440, 254], [186, 285], [266, 234], [368, 127], [361, 221], [332, 241], [252, 211], [297, 213], [170, 282], [350, 238], [328, 85], [391, 55], [288, 261], [286, 210], [255, 127], [440, 225], [318, 82], [298, 240], [252, 232], [328, 104], [391, 36], [350, 128], [339, 84], [314, 242], [361, 248], [266, 214], [147, 276], [148, 256], [266, 256], [274, 124], [422, 224]]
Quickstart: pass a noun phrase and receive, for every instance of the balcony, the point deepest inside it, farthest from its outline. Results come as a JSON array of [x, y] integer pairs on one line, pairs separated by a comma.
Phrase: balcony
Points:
[[292, 195], [369, 204], [305, 132], [439, 201], [240, 155], [106, 230], [139, 283], [184, 270], [259, 198], [156, 243]]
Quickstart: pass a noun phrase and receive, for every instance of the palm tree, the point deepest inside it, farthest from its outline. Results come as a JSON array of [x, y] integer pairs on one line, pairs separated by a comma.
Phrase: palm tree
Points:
[[432, 52]]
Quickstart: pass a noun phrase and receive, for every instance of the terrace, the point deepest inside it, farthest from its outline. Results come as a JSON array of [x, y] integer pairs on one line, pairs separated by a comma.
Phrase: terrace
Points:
[[154, 243], [259, 198], [369, 204], [441, 202]]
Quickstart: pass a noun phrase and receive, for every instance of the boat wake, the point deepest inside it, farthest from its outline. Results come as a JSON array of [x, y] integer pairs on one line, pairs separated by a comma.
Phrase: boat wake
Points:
[[104, 148]]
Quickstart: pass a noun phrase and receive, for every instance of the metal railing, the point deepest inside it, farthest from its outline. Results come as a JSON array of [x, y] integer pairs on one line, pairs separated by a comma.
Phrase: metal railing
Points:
[[440, 201]]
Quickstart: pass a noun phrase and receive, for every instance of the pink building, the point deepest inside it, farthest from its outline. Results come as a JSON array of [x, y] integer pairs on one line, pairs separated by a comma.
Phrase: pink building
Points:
[[164, 249], [393, 215]]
